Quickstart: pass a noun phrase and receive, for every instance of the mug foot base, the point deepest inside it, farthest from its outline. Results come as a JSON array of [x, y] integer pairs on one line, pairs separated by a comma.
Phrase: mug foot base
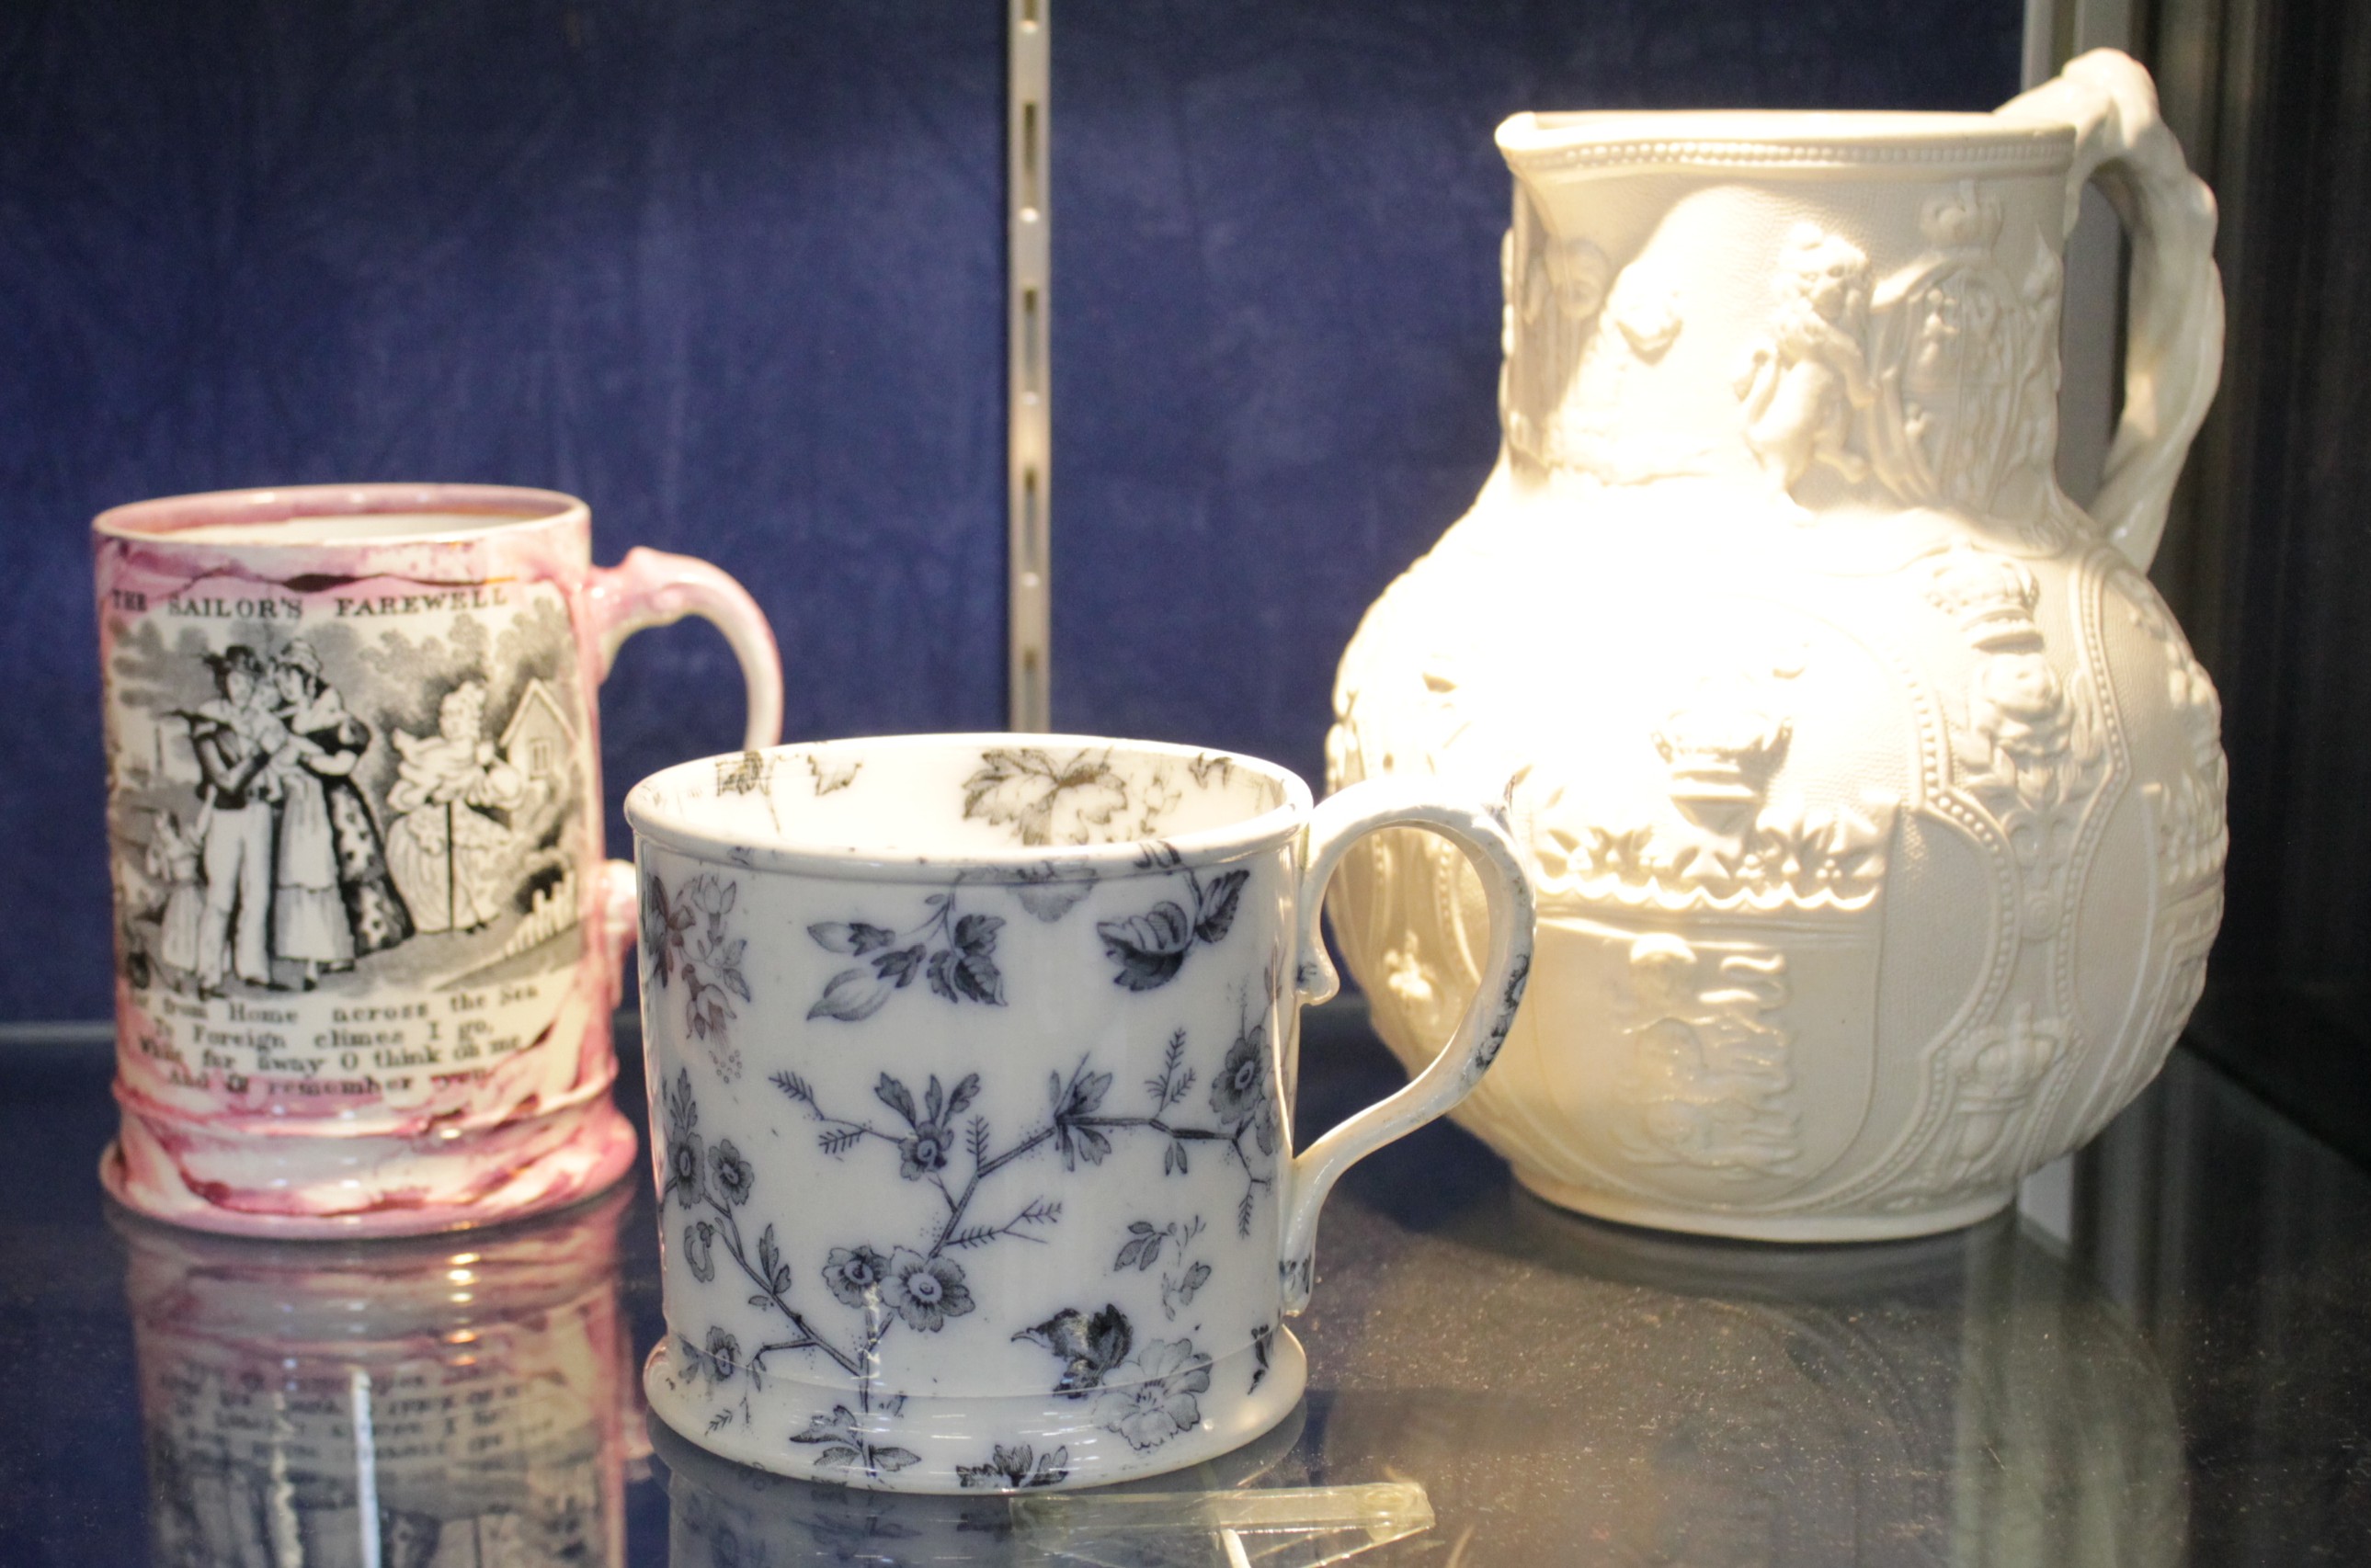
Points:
[[945, 1445], [1862, 1226], [138, 1171]]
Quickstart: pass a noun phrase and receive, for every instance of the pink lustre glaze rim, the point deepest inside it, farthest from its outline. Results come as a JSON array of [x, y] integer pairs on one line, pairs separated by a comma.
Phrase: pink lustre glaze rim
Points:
[[502, 508]]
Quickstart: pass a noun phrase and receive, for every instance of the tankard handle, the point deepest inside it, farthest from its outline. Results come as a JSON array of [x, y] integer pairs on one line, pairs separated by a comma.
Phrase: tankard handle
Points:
[[651, 588], [1339, 822], [2173, 357]]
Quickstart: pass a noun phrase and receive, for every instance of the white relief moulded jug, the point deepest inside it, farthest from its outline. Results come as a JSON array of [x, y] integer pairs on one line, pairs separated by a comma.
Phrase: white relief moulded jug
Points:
[[1873, 799]]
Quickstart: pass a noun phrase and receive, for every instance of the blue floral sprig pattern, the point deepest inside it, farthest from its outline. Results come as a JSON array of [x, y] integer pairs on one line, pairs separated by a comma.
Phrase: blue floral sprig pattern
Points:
[[874, 1290], [1146, 1395], [1016, 1468], [954, 953], [1142, 1251], [843, 1443], [1151, 948], [684, 941]]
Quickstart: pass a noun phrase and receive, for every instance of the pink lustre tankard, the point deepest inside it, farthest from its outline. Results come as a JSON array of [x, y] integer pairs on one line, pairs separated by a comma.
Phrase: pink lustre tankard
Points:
[[367, 946]]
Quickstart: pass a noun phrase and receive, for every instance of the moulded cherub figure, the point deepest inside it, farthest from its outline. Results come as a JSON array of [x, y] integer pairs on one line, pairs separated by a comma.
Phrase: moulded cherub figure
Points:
[[1803, 382]]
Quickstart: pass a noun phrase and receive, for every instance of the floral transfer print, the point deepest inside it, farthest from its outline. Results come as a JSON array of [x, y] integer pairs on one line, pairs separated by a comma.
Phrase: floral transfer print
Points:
[[869, 1292], [1148, 1398], [842, 1443], [1080, 799], [955, 953], [1159, 1403], [1142, 1251], [830, 778], [1088, 1347], [1017, 1469], [1051, 891], [685, 939], [1151, 948], [751, 773], [1510, 1001]]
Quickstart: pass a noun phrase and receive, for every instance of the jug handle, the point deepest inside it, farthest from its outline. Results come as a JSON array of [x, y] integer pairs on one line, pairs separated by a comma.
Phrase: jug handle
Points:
[[2173, 357]]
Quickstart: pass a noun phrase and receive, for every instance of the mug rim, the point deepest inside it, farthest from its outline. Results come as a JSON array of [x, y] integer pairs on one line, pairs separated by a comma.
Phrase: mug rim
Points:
[[161, 520], [677, 829]]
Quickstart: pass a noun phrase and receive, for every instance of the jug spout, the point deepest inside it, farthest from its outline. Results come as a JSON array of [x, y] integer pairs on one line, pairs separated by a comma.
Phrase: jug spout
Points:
[[1835, 309]]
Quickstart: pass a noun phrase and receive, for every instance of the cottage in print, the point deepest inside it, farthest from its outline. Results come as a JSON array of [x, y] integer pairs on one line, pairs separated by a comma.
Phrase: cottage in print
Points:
[[289, 827]]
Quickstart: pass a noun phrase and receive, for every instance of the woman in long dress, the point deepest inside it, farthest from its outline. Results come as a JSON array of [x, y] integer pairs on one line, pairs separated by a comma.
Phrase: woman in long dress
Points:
[[333, 742], [452, 862], [308, 913]]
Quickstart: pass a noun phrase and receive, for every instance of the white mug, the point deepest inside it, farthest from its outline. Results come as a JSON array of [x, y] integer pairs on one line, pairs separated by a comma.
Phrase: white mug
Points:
[[971, 1062]]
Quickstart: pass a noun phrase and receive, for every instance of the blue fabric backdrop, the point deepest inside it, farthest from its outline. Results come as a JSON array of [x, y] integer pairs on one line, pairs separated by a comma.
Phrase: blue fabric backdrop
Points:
[[733, 273]]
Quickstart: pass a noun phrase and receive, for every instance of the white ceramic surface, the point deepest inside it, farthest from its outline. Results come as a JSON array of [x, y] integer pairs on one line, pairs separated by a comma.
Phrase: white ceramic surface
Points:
[[971, 1062], [1873, 798]]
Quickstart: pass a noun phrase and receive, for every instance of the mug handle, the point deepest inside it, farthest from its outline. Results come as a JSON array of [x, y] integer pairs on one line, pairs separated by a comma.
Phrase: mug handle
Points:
[[651, 588], [1340, 821], [2173, 357]]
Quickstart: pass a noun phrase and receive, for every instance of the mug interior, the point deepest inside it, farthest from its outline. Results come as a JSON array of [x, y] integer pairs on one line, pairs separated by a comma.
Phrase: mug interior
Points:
[[982, 800], [337, 514]]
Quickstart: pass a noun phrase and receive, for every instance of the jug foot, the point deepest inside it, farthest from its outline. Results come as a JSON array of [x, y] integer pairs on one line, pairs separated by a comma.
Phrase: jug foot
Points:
[[1867, 1223]]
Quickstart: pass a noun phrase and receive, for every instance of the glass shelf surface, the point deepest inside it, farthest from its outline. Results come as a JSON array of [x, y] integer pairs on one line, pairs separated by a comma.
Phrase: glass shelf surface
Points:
[[2186, 1379]]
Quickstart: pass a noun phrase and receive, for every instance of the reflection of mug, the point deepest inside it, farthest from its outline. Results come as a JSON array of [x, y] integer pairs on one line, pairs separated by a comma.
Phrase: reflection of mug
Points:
[[970, 1060], [403, 1404], [366, 954], [721, 1514]]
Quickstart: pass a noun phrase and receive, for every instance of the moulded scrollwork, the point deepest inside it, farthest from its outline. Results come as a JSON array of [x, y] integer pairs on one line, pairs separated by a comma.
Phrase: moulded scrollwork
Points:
[[1907, 881]]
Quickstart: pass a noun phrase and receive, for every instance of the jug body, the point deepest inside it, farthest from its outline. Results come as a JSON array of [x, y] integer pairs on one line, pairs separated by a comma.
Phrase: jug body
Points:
[[1873, 798]]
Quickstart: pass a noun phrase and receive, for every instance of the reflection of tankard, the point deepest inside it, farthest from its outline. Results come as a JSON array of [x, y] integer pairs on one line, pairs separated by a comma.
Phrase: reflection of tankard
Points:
[[401, 1404]]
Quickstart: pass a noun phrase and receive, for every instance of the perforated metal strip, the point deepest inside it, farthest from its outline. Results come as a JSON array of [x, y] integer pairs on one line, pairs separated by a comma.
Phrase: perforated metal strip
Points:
[[1029, 396]]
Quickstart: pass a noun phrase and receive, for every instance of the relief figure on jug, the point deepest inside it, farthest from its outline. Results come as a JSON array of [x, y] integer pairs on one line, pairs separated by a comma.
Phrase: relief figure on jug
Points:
[[1873, 798]]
